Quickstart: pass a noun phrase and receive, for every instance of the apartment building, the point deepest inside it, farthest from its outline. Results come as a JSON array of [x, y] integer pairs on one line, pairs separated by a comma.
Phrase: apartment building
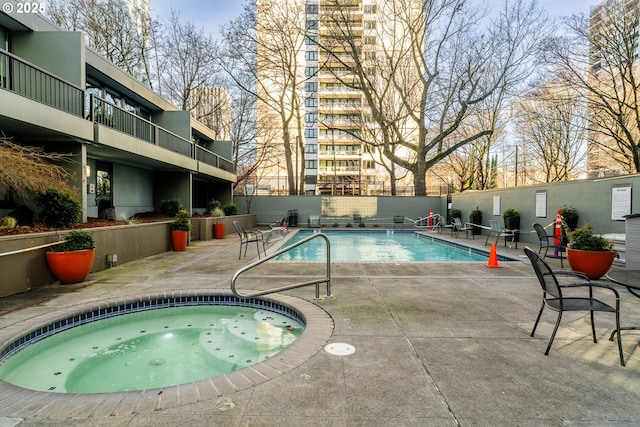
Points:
[[336, 158], [132, 148]]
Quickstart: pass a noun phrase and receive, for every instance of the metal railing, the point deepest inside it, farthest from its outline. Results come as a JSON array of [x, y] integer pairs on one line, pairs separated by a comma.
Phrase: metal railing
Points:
[[315, 282], [35, 83]]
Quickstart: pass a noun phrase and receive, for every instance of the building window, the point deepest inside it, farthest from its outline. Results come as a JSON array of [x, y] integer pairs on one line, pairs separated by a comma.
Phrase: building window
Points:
[[311, 40], [311, 117], [369, 25], [311, 102], [312, 8], [370, 8], [311, 133], [311, 148], [311, 71], [311, 164], [312, 24], [311, 86], [311, 55]]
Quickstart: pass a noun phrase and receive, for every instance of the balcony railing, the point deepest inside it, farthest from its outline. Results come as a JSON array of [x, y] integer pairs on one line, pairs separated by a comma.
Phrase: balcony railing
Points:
[[37, 84], [32, 82]]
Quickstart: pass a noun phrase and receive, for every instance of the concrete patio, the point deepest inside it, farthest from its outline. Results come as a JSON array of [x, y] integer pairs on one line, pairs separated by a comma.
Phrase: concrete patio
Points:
[[436, 345]]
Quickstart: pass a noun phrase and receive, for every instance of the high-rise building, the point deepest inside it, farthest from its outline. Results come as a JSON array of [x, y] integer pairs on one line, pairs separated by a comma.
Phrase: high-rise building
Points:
[[212, 107], [336, 158]]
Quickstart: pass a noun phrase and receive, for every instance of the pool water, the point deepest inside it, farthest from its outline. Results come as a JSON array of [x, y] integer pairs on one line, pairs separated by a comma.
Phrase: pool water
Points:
[[151, 349], [380, 246]]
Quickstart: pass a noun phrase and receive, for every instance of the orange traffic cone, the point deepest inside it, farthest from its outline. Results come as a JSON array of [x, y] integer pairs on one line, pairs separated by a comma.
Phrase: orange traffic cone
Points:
[[493, 258]]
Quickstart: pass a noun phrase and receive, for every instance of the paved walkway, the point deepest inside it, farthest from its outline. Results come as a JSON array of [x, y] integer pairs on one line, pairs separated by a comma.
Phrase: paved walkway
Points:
[[436, 345]]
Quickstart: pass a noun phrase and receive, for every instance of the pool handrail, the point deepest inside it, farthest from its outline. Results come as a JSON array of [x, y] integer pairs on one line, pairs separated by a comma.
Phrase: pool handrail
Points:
[[315, 282]]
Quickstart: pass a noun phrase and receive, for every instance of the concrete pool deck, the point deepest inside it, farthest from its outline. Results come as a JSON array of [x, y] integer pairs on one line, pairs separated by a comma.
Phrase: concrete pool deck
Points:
[[436, 345]]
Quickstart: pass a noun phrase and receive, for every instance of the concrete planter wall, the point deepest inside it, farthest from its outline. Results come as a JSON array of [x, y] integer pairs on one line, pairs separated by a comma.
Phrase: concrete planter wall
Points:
[[202, 227], [26, 270]]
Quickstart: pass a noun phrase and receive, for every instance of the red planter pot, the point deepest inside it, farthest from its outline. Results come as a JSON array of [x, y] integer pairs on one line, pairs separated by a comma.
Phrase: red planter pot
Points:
[[219, 230], [179, 239], [592, 264], [71, 267]]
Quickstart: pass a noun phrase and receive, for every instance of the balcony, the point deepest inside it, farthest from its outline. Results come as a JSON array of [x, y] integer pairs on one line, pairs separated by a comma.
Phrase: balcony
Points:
[[34, 83]]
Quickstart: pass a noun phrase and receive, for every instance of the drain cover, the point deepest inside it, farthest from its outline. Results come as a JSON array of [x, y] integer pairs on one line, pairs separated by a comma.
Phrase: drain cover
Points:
[[339, 349]]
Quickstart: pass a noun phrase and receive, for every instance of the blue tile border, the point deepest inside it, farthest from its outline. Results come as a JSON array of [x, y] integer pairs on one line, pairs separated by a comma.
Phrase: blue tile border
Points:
[[141, 304]]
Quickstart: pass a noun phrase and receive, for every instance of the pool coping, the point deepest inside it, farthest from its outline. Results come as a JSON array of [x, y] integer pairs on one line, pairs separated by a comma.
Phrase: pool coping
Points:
[[20, 402], [421, 233]]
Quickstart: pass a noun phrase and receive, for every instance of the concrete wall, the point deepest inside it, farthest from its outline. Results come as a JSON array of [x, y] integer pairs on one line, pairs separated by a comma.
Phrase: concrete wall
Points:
[[340, 209], [591, 198], [27, 270]]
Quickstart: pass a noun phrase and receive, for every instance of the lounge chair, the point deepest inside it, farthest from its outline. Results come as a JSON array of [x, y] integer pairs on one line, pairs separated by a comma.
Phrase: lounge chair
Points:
[[498, 232], [548, 242], [552, 297], [313, 221], [458, 226], [247, 237]]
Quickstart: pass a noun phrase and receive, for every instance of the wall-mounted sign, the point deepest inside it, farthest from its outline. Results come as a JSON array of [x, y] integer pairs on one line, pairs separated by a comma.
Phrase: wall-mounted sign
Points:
[[620, 203]]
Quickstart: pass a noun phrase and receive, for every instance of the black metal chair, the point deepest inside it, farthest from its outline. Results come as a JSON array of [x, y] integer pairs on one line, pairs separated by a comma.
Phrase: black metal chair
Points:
[[247, 237], [398, 219], [357, 220], [553, 297], [548, 242]]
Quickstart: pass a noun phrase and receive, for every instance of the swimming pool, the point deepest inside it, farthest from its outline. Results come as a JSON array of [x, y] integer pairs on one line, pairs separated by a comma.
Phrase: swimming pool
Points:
[[382, 246]]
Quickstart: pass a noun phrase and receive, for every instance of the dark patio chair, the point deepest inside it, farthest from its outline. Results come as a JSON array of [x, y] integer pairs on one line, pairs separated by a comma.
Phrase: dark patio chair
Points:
[[313, 221], [458, 226], [247, 237], [548, 242], [553, 297], [398, 219], [357, 220]]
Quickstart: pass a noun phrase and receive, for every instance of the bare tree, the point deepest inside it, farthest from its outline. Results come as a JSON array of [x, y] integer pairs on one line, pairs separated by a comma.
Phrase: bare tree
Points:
[[28, 168], [268, 49], [551, 121], [435, 72], [117, 30], [599, 59]]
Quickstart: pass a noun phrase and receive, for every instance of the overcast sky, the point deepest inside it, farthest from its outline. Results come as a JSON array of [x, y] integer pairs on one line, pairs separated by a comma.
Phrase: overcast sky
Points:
[[212, 14]]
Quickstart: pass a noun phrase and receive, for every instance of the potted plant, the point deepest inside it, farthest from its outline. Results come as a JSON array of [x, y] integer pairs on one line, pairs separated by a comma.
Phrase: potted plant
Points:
[[74, 260], [455, 213], [219, 227], [512, 222], [588, 253], [230, 209], [570, 217], [475, 218], [180, 230]]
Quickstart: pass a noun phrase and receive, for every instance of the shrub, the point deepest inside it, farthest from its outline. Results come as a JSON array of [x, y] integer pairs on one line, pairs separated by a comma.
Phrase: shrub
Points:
[[511, 213], [583, 239], [78, 240], [214, 204], [59, 208], [181, 221], [171, 206], [230, 209]]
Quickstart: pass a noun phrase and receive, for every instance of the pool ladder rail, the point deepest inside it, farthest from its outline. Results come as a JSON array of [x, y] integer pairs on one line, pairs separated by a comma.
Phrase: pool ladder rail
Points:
[[315, 282]]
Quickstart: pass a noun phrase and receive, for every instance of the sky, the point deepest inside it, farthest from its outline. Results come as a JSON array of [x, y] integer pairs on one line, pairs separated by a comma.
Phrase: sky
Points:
[[212, 14]]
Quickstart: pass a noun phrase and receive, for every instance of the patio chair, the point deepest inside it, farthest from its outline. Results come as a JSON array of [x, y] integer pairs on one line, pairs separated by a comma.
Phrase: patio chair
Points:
[[313, 221], [553, 297], [247, 237], [280, 223], [497, 231], [357, 220], [458, 226], [398, 219], [548, 242]]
